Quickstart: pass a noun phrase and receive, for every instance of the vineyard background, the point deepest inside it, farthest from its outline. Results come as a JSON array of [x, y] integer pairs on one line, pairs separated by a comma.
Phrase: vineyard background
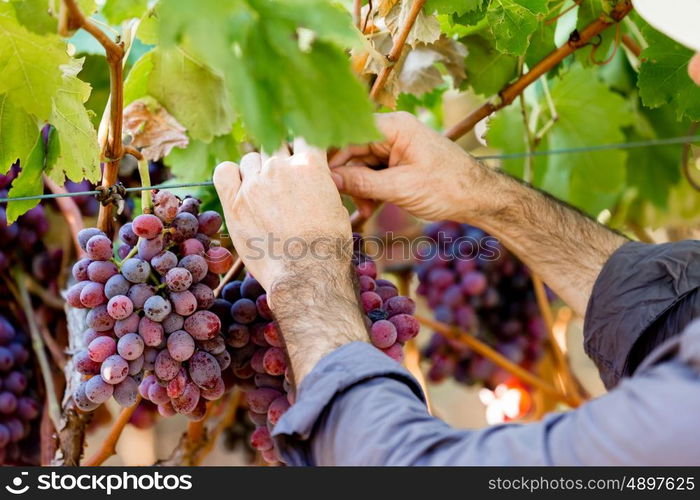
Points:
[[576, 97]]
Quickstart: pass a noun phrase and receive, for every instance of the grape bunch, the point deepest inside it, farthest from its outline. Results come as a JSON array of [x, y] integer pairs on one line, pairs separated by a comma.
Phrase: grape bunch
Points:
[[19, 404], [259, 360], [149, 328], [471, 281]]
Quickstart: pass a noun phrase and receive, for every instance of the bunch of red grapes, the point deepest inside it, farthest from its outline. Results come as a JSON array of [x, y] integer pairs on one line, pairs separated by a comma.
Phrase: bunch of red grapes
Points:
[[471, 281], [149, 330], [19, 404], [259, 360]]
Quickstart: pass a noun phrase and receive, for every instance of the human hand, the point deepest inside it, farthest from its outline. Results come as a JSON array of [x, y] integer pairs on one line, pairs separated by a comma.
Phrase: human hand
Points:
[[427, 175], [694, 68], [283, 212]]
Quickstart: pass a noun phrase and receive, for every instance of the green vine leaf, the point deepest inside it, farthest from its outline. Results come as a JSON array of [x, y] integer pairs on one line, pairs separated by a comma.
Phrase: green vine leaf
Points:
[[512, 22], [29, 182], [116, 11], [488, 70], [663, 76], [18, 133]]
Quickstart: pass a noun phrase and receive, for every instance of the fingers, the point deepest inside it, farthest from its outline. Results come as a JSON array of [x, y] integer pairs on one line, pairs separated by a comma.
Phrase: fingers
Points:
[[345, 155], [363, 182], [250, 165], [227, 180], [281, 154]]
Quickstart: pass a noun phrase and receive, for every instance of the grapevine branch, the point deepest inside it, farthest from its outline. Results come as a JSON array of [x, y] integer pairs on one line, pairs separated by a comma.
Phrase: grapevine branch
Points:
[[397, 48], [109, 445], [576, 41], [497, 358], [227, 419], [113, 149], [236, 268]]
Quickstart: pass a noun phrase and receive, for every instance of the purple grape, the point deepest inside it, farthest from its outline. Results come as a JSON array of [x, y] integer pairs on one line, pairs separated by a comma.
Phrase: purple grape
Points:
[[180, 345], [157, 308], [147, 226], [140, 293], [204, 296], [185, 303], [126, 392], [203, 325], [164, 262], [197, 267], [148, 249], [136, 270], [85, 234], [116, 285], [114, 369], [130, 346], [127, 235], [209, 222], [244, 311], [184, 226], [178, 279], [173, 322], [80, 269], [97, 390], [120, 307]]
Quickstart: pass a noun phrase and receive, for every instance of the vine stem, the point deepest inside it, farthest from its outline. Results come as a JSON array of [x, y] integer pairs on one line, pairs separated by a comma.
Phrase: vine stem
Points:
[[494, 356], [508, 94], [38, 347], [397, 48], [113, 149], [109, 445], [70, 211], [146, 197]]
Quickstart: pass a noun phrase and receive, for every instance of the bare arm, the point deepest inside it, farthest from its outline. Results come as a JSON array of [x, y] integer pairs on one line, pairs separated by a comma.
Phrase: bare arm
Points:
[[435, 179]]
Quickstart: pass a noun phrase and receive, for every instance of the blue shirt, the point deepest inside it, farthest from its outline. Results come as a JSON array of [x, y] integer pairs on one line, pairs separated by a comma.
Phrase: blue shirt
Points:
[[359, 407]]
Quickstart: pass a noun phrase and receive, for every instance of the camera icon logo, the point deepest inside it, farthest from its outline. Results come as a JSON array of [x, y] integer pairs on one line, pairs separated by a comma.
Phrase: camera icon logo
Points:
[[16, 488]]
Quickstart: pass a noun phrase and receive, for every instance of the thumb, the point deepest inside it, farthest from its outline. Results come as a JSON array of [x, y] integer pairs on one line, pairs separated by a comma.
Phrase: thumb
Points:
[[227, 181], [363, 182]]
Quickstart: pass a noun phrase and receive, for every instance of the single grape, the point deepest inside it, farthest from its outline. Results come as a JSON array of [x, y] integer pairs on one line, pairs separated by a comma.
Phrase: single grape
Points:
[[158, 394], [101, 348], [84, 236], [251, 288], [184, 303], [264, 310], [244, 311], [216, 345], [178, 279], [176, 387], [151, 332], [184, 226], [148, 249], [126, 392], [259, 400], [114, 369], [237, 335], [231, 291], [224, 359], [8, 403], [165, 366], [173, 322], [127, 235], [80, 269], [147, 226], [6, 359], [272, 335], [395, 352], [383, 334], [203, 325], [204, 369], [97, 390], [116, 285], [215, 392], [15, 382], [93, 295], [73, 294], [407, 327], [180, 345], [209, 222], [370, 301], [204, 296], [165, 205], [192, 246], [99, 319], [156, 308], [81, 400], [130, 346], [166, 410], [123, 251], [27, 408], [164, 262], [277, 408], [127, 325], [136, 365], [190, 205], [367, 268], [274, 361], [120, 307], [399, 305], [146, 384], [136, 270], [99, 247]]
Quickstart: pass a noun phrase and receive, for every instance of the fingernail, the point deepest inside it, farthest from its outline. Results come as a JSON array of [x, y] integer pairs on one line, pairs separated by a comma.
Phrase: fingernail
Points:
[[338, 179]]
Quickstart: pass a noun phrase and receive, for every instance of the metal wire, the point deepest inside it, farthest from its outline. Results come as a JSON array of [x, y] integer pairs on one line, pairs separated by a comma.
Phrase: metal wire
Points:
[[508, 156]]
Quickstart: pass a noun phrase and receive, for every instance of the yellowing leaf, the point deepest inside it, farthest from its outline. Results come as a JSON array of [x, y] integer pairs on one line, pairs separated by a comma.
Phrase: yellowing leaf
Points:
[[426, 28], [18, 133], [153, 129]]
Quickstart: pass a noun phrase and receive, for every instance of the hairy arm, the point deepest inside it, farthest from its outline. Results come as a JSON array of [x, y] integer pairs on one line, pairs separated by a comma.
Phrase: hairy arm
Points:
[[318, 311], [564, 247], [435, 179]]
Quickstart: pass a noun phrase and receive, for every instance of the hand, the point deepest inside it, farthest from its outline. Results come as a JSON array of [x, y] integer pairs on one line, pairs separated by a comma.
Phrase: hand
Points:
[[281, 210], [694, 68], [427, 175]]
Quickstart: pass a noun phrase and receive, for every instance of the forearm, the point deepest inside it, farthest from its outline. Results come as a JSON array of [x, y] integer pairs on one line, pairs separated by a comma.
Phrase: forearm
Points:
[[560, 244], [317, 309]]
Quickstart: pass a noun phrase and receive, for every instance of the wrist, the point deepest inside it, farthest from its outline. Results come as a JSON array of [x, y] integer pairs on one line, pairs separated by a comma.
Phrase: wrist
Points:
[[317, 309]]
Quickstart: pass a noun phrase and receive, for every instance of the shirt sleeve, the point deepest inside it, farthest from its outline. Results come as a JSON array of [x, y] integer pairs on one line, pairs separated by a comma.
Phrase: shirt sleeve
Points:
[[644, 295], [358, 407]]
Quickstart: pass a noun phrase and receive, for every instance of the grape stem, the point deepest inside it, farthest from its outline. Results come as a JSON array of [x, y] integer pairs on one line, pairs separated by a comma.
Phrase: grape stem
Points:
[[38, 346], [146, 197], [113, 149], [48, 298], [109, 445], [395, 52], [191, 443], [497, 358]]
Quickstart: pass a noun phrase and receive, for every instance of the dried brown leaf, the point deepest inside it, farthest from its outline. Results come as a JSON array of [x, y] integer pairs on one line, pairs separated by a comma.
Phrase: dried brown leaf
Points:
[[153, 129], [426, 28]]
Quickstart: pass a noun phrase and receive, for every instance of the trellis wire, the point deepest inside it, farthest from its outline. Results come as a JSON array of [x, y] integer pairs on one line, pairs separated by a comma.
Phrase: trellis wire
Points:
[[507, 156]]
